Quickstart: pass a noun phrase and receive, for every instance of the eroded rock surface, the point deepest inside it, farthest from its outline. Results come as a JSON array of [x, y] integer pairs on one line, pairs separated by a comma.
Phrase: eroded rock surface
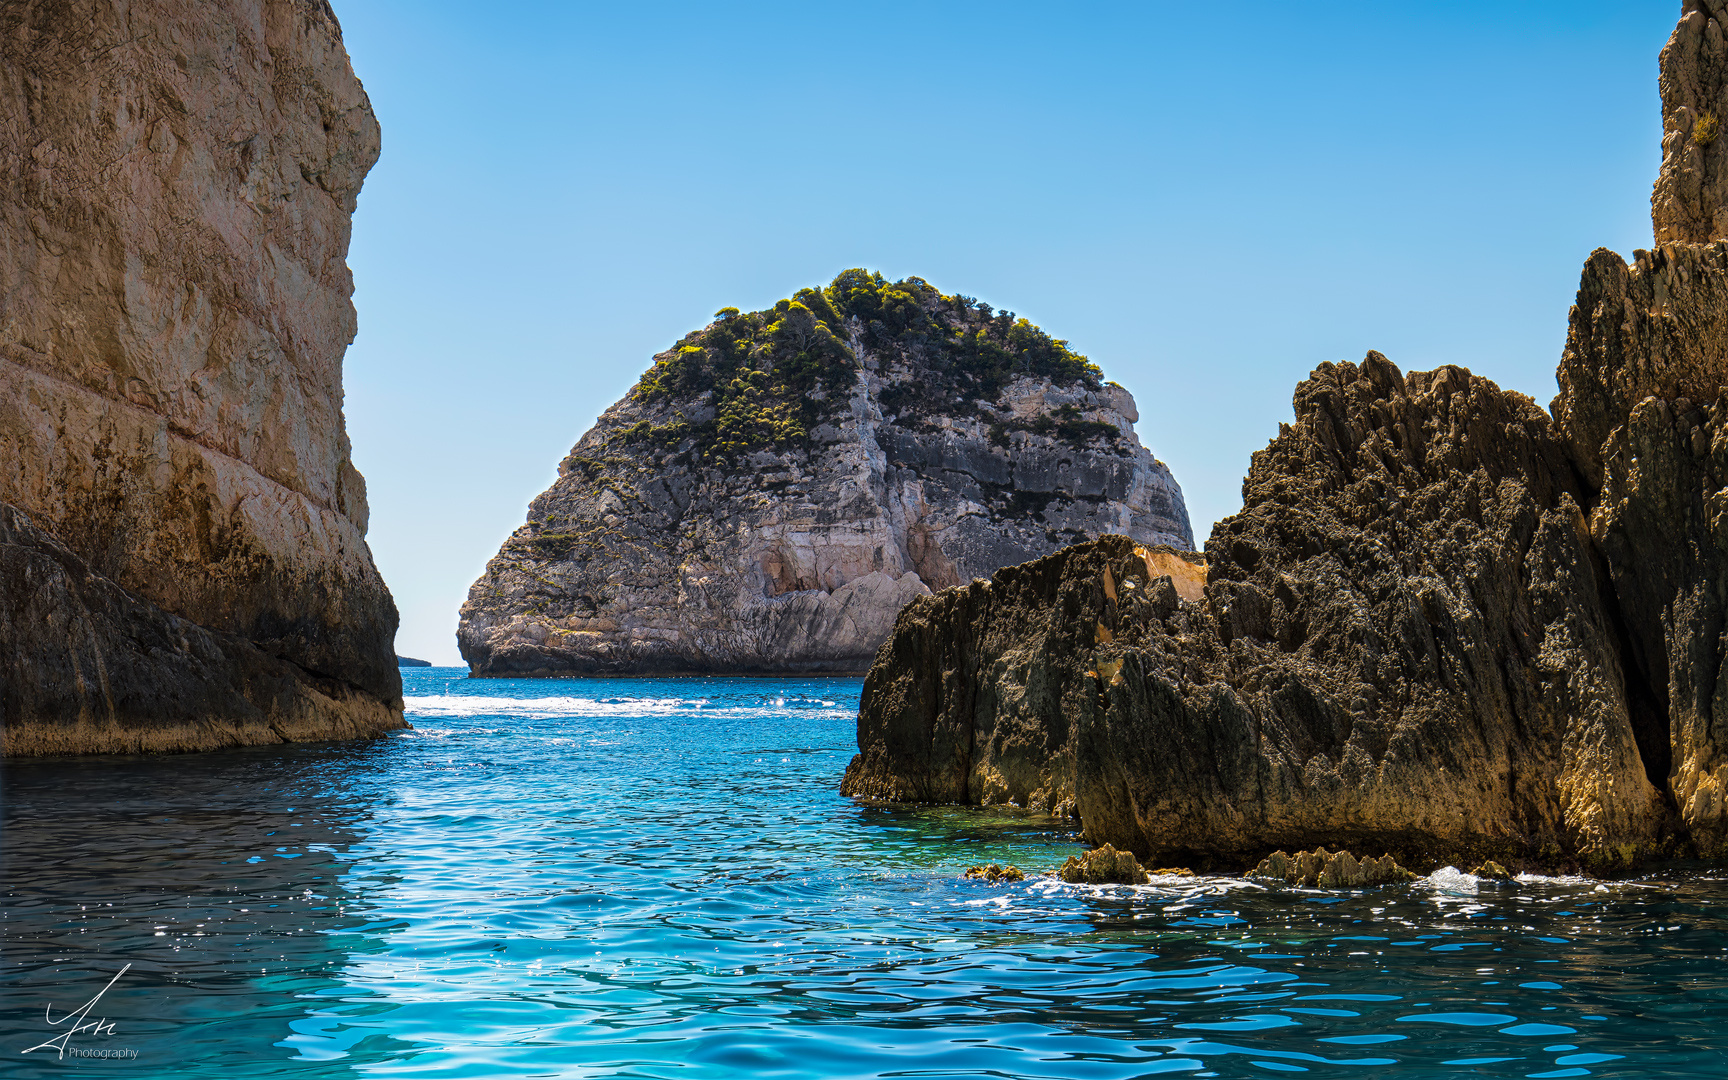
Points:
[[1103, 865], [781, 483], [1322, 869], [93, 668], [1690, 203], [1446, 623], [176, 183], [1407, 639]]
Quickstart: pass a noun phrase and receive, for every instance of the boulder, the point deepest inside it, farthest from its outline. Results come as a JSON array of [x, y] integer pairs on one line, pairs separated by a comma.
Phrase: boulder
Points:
[[1103, 865]]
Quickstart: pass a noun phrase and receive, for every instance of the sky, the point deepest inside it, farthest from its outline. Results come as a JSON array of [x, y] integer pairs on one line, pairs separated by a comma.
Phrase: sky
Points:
[[1207, 200]]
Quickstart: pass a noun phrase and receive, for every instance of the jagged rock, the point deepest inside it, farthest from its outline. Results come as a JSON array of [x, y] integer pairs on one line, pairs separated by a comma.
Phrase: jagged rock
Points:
[[1444, 623], [176, 182], [1690, 202], [1320, 869], [1492, 871], [1642, 400], [1103, 865], [779, 484], [1400, 629], [993, 873]]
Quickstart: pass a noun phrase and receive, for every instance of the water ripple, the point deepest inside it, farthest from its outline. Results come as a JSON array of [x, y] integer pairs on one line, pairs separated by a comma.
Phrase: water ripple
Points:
[[657, 878]]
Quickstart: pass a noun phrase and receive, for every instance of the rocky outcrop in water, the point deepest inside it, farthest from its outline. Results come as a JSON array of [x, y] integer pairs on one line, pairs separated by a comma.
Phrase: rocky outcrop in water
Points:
[[176, 182], [1322, 869], [1446, 623], [995, 873], [1103, 865], [779, 484]]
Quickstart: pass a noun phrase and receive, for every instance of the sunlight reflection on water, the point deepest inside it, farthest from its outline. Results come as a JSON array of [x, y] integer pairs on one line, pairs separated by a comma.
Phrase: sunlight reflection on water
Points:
[[657, 878]]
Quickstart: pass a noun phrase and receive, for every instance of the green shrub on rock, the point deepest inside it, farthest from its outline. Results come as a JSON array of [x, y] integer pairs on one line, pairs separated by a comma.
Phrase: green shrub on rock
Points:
[[777, 374]]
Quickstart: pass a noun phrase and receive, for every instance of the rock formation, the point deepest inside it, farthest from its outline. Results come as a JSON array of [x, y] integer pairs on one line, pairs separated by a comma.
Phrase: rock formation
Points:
[[176, 182], [1321, 869], [1690, 204], [1103, 866], [779, 484], [1445, 623], [995, 873]]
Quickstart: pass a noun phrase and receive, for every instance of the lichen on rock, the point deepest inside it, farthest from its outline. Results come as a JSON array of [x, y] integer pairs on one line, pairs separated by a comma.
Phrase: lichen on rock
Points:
[[780, 483]]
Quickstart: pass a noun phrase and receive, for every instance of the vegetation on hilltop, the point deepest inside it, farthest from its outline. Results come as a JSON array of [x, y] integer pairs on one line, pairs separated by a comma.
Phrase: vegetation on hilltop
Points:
[[776, 374]]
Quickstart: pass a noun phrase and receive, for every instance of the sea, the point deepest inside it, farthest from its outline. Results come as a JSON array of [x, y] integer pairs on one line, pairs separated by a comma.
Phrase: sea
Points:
[[659, 878]]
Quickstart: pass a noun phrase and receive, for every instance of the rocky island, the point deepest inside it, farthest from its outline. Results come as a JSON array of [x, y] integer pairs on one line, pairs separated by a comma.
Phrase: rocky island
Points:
[[183, 562], [780, 483], [1446, 624]]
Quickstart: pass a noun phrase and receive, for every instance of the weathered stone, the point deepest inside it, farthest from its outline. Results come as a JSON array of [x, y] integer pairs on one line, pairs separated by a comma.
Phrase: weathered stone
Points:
[[1103, 865], [1492, 871], [91, 668], [664, 553], [1320, 869], [1690, 202], [1444, 623], [176, 182], [1408, 640], [994, 873]]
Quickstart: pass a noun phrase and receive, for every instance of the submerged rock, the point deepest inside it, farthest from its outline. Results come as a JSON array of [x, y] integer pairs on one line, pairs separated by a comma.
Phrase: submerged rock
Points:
[[175, 215], [1492, 871], [993, 873], [780, 483], [1103, 865], [1445, 623], [1330, 870]]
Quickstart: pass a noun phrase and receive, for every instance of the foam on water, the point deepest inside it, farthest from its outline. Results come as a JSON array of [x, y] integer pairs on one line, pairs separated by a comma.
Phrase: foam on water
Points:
[[438, 706], [658, 878]]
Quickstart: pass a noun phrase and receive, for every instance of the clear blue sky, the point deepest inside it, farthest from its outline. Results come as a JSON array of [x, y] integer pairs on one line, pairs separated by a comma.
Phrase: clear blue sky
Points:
[[1206, 199]]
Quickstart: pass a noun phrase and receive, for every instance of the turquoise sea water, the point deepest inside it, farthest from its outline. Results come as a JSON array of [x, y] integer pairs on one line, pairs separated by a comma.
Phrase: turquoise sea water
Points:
[[657, 878]]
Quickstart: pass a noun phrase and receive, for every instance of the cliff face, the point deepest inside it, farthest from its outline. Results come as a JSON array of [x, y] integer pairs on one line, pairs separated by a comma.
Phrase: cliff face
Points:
[[780, 483], [176, 183], [1445, 623], [1690, 203], [1405, 641]]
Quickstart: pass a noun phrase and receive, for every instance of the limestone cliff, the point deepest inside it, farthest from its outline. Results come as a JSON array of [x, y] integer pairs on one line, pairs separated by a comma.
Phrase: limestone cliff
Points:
[[780, 483], [1445, 623], [176, 183]]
